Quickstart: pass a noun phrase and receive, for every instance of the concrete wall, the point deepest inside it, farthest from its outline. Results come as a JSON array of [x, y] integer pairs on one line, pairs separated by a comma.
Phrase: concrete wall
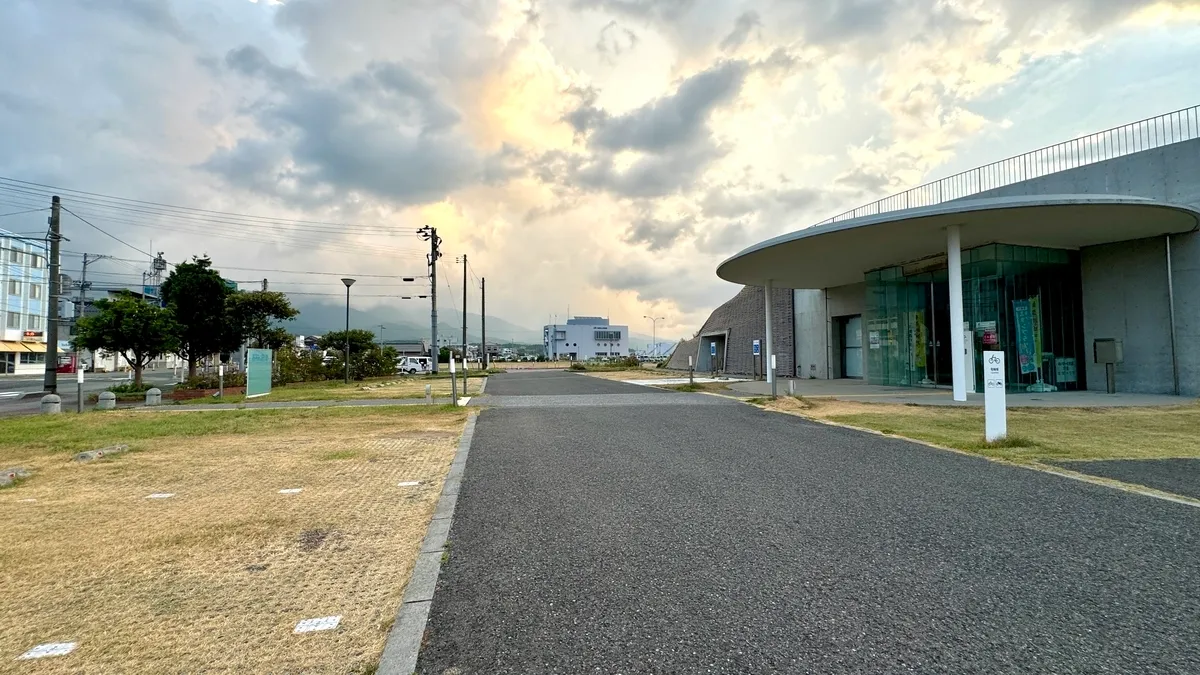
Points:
[[1125, 297], [843, 301], [811, 334], [743, 319], [1124, 285]]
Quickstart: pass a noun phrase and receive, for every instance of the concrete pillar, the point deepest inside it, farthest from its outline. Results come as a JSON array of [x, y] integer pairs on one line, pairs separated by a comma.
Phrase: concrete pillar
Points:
[[154, 396], [51, 404], [958, 347], [107, 401], [768, 347]]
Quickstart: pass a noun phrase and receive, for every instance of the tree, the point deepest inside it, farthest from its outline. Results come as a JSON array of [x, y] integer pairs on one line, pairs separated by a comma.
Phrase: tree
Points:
[[128, 326], [360, 341], [252, 315], [195, 293]]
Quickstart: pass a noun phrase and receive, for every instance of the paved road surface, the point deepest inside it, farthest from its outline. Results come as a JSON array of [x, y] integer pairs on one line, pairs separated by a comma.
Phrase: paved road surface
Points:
[[1181, 476], [683, 537]]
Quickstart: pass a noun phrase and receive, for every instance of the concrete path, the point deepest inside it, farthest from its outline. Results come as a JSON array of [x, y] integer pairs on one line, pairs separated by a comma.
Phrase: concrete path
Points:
[[696, 534]]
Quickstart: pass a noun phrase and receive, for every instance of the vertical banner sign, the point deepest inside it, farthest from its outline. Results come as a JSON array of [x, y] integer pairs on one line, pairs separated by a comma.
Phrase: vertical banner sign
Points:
[[258, 372], [918, 339], [712, 349], [1023, 318], [757, 347], [995, 412], [1035, 313]]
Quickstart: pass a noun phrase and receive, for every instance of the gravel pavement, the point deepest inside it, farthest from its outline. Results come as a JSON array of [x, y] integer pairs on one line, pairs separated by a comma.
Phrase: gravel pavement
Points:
[[683, 538]]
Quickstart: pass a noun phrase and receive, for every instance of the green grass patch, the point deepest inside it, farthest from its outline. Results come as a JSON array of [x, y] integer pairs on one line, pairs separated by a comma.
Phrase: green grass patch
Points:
[[1039, 434], [68, 434]]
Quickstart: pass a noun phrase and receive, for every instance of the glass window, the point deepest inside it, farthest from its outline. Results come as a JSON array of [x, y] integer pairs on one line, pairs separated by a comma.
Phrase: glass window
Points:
[[35, 291], [33, 358], [14, 255], [35, 322], [13, 320], [36, 261], [14, 287]]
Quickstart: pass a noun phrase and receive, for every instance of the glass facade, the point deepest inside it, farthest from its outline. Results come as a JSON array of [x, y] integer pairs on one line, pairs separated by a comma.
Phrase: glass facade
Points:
[[1023, 300]]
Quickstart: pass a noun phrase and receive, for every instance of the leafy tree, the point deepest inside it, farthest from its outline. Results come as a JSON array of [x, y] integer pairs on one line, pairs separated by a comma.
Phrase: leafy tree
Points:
[[252, 316], [128, 326], [361, 341], [195, 294]]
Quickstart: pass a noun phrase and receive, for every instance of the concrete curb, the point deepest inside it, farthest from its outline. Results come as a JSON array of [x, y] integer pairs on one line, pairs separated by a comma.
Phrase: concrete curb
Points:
[[404, 640], [482, 386]]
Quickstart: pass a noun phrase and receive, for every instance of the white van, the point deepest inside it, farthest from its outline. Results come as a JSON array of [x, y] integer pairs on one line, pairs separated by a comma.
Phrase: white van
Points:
[[414, 365]]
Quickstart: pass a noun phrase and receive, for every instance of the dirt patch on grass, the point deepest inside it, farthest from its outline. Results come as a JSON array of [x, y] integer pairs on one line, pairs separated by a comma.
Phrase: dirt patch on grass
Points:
[[216, 576], [634, 374]]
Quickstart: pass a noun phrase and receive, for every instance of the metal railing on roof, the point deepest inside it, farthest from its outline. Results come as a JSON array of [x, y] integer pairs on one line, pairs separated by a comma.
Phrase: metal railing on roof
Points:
[[1154, 132]]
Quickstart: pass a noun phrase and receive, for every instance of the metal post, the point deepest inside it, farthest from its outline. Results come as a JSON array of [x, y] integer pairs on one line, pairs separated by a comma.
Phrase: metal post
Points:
[[346, 354], [453, 382], [221, 379], [50, 381], [464, 311], [770, 349], [483, 321], [957, 344], [78, 388], [771, 375], [1171, 312], [1110, 377]]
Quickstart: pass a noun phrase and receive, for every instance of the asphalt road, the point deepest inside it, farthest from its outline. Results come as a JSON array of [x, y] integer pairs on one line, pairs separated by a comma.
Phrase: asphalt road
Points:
[[14, 388], [1181, 476], [692, 538]]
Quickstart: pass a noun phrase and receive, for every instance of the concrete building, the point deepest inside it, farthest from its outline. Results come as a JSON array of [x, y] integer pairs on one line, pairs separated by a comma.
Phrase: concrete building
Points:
[[1045, 256], [584, 338], [24, 285]]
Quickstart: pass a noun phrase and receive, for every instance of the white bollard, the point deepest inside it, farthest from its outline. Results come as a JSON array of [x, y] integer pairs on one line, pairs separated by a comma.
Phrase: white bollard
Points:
[[107, 401], [154, 396]]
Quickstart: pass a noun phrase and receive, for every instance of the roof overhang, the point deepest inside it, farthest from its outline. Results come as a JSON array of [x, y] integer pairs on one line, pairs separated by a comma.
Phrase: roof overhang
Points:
[[840, 253]]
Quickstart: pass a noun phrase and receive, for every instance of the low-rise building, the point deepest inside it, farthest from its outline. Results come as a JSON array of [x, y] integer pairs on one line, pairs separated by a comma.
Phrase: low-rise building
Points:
[[24, 290], [584, 338]]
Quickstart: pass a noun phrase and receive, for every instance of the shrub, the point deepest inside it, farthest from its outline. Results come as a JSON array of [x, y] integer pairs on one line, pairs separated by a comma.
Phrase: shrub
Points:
[[577, 367], [130, 388], [213, 381]]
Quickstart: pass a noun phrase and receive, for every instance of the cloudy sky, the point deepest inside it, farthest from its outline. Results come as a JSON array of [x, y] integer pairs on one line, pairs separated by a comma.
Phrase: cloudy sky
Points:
[[601, 154]]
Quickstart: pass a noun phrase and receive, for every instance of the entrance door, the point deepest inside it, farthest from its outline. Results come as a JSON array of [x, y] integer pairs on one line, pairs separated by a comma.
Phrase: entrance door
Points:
[[852, 356], [8, 363]]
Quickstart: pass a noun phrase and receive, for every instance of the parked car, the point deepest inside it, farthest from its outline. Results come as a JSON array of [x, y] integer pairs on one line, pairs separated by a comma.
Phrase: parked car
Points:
[[413, 365]]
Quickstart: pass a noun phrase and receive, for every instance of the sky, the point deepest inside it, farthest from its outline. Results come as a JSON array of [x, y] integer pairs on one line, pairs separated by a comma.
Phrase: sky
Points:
[[593, 156]]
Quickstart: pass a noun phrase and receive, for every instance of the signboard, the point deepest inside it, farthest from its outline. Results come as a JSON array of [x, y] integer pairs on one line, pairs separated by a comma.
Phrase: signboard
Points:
[[987, 332], [150, 291], [874, 339], [32, 333], [1023, 317], [919, 339], [1035, 311], [230, 284], [712, 349], [258, 372], [1065, 370], [757, 348], [995, 422]]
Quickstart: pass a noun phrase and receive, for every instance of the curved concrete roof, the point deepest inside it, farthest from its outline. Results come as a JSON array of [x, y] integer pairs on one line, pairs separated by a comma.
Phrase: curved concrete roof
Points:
[[839, 253]]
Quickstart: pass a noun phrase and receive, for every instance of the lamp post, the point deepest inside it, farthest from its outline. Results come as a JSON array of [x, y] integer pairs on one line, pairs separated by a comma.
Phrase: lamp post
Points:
[[654, 329], [346, 355]]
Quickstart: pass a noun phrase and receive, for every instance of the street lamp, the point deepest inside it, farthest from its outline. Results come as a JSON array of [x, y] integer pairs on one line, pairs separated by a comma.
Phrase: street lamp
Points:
[[654, 329], [346, 356]]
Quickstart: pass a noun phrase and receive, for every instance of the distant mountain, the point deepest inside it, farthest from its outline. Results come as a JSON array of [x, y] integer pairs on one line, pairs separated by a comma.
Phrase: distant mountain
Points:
[[318, 318]]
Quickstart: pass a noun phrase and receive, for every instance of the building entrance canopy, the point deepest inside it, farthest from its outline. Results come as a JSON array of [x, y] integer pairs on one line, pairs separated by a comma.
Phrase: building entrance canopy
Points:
[[841, 253]]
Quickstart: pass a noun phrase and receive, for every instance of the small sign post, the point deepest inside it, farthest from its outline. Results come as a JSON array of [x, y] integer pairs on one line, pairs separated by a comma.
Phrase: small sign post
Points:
[[712, 353], [691, 369], [453, 382], [994, 402], [78, 387], [756, 354], [258, 372], [774, 380]]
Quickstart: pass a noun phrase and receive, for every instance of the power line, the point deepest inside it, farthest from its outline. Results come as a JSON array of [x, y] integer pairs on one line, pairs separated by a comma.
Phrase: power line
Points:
[[332, 274], [18, 213], [106, 233]]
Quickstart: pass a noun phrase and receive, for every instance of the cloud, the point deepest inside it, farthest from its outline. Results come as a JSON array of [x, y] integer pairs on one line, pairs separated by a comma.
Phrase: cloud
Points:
[[383, 130], [655, 234], [746, 22], [615, 40]]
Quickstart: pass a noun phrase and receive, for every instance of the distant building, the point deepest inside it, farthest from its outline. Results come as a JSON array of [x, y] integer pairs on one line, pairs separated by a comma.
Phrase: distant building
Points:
[[584, 338], [24, 285], [409, 348]]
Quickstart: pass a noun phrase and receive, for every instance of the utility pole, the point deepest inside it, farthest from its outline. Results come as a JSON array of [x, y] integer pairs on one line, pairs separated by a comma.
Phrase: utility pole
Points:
[[464, 307], [83, 285], [381, 338], [483, 320], [50, 382], [430, 234]]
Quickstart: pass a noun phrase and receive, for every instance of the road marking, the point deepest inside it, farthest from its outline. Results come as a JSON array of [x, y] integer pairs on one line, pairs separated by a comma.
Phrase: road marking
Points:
[[11, 394], [290, 491], [408, 483], [160, 495]]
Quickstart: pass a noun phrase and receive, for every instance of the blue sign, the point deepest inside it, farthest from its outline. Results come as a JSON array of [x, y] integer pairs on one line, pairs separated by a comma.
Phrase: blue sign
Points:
[[712, 349], [1023, 317], [757, 348]]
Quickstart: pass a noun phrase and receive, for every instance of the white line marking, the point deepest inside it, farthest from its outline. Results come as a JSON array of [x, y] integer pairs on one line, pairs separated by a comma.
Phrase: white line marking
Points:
[[408, 483], [290, 491], [160, 495], [49, 649], [321, 623], [11, 394]]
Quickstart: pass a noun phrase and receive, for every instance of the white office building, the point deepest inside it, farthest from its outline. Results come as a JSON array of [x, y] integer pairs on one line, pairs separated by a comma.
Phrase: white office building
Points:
[[584, 338]]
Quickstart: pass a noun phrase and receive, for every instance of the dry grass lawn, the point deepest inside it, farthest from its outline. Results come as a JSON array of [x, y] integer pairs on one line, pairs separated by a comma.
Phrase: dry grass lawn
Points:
[[1035, 434], [634, 374], [382, 388], [215, 578]]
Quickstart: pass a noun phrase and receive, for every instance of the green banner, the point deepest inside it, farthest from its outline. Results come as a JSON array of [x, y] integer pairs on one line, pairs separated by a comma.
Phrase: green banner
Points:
[[1035, 311], [258, 372], [1023, 318]]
